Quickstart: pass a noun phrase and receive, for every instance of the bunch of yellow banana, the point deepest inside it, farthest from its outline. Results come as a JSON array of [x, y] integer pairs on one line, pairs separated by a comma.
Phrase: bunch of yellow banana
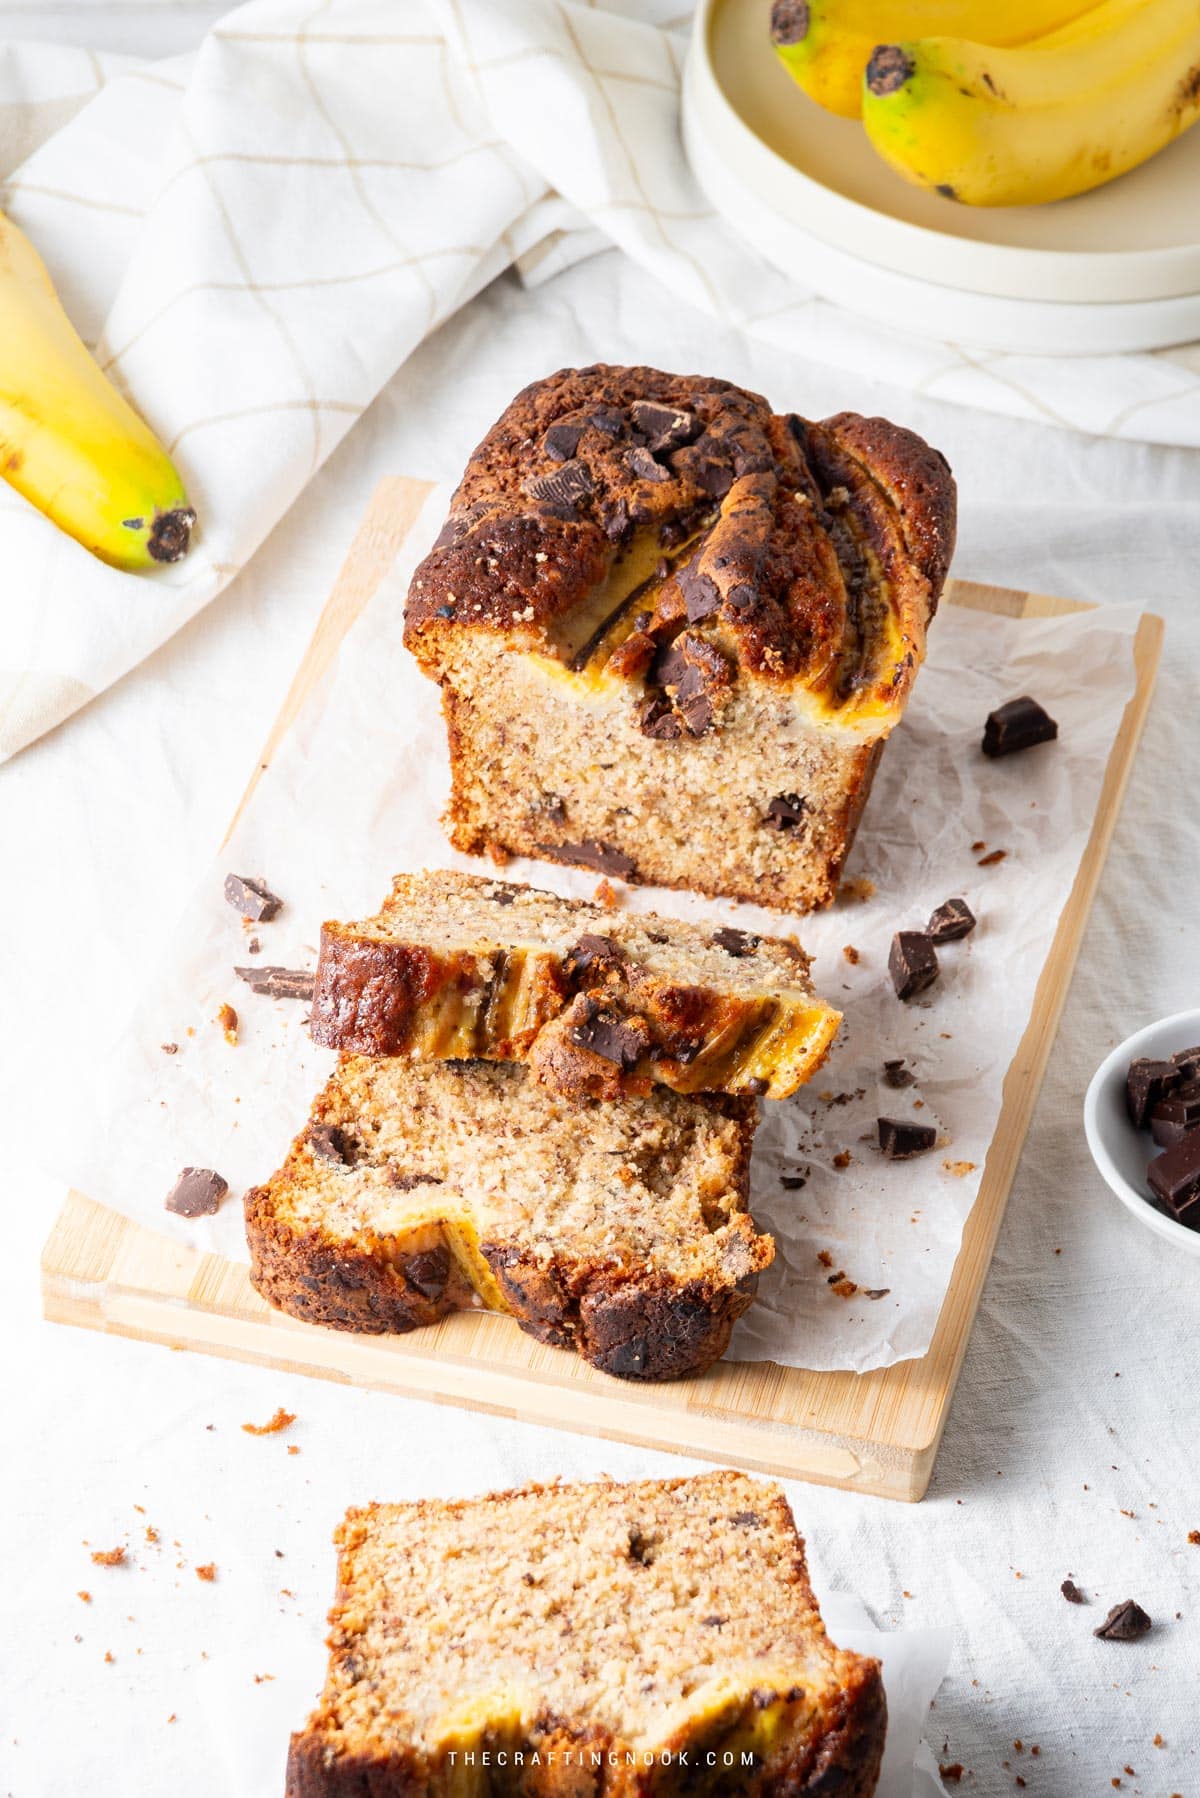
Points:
[[1011, 103], [826, 44], [68, 440]]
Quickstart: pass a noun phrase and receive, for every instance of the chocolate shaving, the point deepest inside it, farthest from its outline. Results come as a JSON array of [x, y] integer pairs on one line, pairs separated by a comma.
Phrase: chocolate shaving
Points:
[[279, 983], [253, 898]]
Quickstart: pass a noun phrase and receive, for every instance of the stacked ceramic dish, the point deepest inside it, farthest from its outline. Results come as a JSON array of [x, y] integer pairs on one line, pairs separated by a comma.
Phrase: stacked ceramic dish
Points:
[[1113, 270]]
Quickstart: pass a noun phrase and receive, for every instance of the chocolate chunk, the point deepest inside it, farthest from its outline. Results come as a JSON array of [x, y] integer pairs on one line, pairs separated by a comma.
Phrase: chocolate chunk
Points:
[[1147, 1084], [664, 427], [608, 420], [793, 1182], [789, 22], [1124, 1623], [701, 595], [406, 1182], [642, 462], [569, 483], [591, 853], [428, 1271], [1188, 1063], [1071, 1592], [743, 595], [747, 1520], [912, 963], [253, 898], [606, 1033], [1174, 1178], [712, 477], [279, 983], [658, 718], [876, 1292], [756, 1087], [895, 1074], [786, 812], [197, 1193], [617, 523], [696, 710], [591, 956], [735, 942], [561, 442], [1173, 1117], [329, 1142], [900, 1139], [951, 921], [1018, 725]]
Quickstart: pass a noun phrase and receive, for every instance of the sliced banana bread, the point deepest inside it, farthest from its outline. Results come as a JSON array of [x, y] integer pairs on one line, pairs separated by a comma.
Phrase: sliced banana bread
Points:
[[598, 1003], [424, 1187], [673, 629], [571, 1641]]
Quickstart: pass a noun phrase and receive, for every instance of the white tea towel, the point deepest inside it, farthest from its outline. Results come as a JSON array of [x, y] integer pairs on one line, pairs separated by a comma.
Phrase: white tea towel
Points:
[[254, 238]]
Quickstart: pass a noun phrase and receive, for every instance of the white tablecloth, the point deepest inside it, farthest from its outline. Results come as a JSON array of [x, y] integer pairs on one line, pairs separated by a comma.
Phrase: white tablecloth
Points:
[[1071, 1448]]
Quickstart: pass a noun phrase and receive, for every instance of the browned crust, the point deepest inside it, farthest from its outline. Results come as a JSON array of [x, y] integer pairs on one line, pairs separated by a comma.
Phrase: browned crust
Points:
[[636, 1326], [918, 480], [369, 995], [517, 566]]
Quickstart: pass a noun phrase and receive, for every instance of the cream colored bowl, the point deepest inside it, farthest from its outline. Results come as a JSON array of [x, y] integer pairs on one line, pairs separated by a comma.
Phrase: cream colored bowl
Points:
[[1116, 269]]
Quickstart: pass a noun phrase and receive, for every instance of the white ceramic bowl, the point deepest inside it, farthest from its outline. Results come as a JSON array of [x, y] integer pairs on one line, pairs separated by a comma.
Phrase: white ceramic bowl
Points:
[[1120, 1152], [1114, 270]]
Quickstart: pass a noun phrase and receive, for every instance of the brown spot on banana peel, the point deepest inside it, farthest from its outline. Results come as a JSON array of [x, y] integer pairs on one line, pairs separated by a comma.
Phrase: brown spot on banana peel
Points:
[[789, 22], [947, 192], [888, 68], [170, 534]]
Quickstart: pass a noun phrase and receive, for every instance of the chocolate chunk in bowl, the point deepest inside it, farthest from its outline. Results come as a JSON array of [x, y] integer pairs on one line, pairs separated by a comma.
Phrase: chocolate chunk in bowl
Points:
[[1174, 1178], [1147, 1084]]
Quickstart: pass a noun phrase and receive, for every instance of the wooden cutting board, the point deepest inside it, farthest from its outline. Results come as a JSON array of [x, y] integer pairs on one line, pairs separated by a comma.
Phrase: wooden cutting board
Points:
[[875, 1432]]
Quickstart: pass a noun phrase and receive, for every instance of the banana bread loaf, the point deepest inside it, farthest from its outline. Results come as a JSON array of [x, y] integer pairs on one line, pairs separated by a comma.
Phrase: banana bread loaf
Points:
[[673, 630], [424, 1187], [597, 1003], [588, 1640]]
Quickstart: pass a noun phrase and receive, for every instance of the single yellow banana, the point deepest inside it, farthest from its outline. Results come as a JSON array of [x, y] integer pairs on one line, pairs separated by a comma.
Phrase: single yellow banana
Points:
[[825, 44], [1017, 127], [68, 441]]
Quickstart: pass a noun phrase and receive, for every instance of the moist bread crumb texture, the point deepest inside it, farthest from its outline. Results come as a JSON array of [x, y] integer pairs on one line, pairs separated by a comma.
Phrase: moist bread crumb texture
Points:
[[605, 1630], [420, 1188], [673, 629], [598, 1004]]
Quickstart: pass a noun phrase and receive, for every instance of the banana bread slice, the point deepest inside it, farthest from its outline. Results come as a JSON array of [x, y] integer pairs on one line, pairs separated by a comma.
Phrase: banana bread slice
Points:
[[572, 1641], [597, 1003], [424, 1187], [673, 629]]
